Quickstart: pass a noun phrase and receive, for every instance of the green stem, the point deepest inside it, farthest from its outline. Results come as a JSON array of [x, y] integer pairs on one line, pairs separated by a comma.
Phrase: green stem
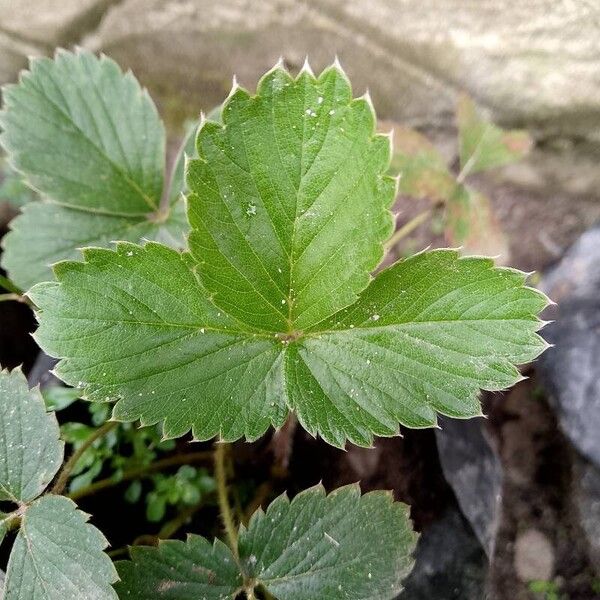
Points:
[[159, 465], [170, 528], [9, 286], [223, 496], [63, 477], [408, 228]]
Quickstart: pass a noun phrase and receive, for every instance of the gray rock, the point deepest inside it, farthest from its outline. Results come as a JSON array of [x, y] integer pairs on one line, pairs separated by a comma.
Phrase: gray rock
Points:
[[517, 58], [473, 469], [41, 372], [450, 563], [571, 369], [36, 28]]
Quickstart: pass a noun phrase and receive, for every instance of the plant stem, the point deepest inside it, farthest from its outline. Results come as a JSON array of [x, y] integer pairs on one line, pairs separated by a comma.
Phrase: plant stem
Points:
[[9, 286], [170, 528], [223, 496], [68, 467], [408, 228], [159, 465], [11, 296]]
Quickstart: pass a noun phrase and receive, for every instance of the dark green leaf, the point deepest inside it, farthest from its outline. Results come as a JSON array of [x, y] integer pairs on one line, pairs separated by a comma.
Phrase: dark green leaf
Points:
[[255, 321], [341, 547]]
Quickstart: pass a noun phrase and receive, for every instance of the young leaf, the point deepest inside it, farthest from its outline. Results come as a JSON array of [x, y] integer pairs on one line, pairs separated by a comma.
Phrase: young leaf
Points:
[[422, 169], [340, 546], [288, 212], [89, 139], [30, 451], [471, 224], [58, 556], [483, 145]]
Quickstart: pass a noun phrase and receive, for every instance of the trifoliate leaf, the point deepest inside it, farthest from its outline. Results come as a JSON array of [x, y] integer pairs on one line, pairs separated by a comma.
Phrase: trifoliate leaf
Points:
[[483, 145], [30, 450], [341, 546], [89, 139], [58, 556], [226, 339], [180, 571]]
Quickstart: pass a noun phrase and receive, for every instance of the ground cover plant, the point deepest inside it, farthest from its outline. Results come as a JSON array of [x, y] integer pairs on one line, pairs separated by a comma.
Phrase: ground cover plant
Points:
[[265, 305]]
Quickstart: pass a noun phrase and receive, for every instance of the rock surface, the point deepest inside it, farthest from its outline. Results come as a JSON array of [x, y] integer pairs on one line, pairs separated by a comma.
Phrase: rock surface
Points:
[[586, 497], [473, 470], [450, 563], [571, 370], [533, 63]]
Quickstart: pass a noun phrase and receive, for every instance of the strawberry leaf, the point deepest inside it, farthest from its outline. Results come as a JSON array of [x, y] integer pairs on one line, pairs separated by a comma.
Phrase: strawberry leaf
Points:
[[340, 546], [58, 556], [268, 311], [482, 144], [422, 169], [30, 451], [89, 139]]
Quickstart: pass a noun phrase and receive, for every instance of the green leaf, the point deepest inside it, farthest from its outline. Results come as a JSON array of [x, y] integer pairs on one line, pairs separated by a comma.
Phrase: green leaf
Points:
[[85, 135], [288, 195], [340, 546], [187, 149], [483, 145], [30, 450], [89, 139], [58, 556], [57, 397], [180, 571], [46, 233], [216, 341], [422, 169], [12, 188]]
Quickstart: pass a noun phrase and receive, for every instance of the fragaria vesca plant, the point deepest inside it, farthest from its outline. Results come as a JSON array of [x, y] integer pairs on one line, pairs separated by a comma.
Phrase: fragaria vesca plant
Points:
[[271, 308]]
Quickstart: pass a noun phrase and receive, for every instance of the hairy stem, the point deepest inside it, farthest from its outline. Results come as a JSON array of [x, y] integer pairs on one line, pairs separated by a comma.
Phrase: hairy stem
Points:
[[14, 297], [223, 496], [408, 228], [63, 477], [170, 528], [159, 465]]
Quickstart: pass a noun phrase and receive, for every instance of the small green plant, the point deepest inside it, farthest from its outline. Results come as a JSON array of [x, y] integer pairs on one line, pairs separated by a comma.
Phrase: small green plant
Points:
[[467, 217], [548, 590], [274, 307]]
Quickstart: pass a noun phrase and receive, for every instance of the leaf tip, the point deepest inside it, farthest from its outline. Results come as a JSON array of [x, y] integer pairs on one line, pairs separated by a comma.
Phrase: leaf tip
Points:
[[306, 68]]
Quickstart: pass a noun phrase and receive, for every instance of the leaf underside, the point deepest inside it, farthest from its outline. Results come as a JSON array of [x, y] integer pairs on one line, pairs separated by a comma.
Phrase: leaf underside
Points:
[[89, 140], [58, 556], [340, 546], [274, 308], [30, 450]]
